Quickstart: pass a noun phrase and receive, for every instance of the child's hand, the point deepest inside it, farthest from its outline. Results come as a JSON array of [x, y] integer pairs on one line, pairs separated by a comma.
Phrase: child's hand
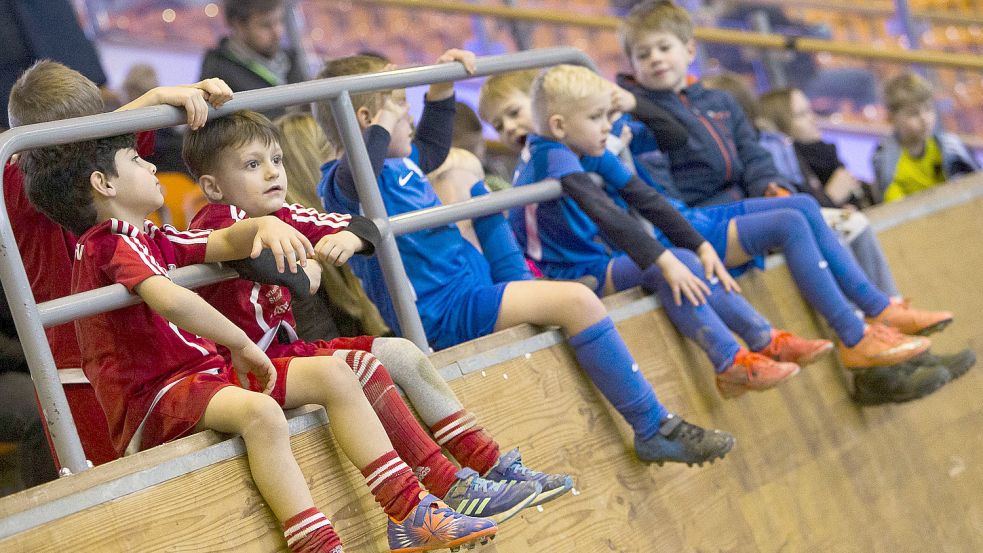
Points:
[[442, 91], [621, 100], [284, 241], [339, 247], [715, 267], [247, 359], [682, 281], [313, 271], [216, 91], [390, 114], [194, 100]]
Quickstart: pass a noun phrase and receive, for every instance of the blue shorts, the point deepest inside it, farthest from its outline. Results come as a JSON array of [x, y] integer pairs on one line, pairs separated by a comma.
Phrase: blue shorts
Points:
[[563, 271], [712, 223], [470, 314]]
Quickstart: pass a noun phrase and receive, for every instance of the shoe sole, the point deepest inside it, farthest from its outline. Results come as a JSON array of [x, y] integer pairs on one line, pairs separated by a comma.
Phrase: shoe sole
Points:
[[886, 362], [499, 518], [812, 357], [729, 390], [939, 383], [937, 327], [469, 541], [546, 497]]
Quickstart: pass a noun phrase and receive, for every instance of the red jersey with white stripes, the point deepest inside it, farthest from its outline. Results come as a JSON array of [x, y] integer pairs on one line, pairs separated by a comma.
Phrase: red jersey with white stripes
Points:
[[258, 309], [131, 353]]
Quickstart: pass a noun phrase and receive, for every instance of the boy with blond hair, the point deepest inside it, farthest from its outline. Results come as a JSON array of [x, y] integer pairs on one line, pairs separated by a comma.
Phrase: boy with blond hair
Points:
[[237, 160], [918, 155], [462, 293], [156, 371]]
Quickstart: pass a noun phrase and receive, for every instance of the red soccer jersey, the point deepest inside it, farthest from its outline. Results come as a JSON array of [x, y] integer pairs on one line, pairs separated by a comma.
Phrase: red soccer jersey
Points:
[[47, 251], [132, 353], [256, 308]]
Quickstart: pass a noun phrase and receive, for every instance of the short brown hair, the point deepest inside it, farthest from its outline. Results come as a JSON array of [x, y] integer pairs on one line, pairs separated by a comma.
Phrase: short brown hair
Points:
[[57, 179], [202, 148], [907, 89], [498, 88], [239, 11], [733, 84], [351, 65], [655, 16], [776, 106], [49, 91]]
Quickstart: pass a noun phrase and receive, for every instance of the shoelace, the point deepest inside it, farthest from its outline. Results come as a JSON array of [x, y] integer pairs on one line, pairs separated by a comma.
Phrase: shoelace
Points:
[[748, 360], [483, 486], [518, 468]]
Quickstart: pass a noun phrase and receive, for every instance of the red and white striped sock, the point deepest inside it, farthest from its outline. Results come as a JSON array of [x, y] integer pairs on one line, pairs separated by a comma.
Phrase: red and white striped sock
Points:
[[309, 531], [467, 441], [411, 441], [393, 484]]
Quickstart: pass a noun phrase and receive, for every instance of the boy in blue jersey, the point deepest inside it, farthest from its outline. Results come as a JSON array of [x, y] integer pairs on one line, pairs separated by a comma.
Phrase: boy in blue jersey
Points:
[[463, 294], [736, 229], [569, 237]]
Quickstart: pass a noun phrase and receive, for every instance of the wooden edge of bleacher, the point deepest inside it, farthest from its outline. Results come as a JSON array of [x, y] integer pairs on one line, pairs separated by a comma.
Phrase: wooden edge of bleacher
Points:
[[36, 506]]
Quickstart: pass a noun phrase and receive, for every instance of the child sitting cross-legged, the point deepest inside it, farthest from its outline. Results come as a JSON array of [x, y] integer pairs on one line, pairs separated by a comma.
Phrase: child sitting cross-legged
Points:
[[238, 162], [156, 372], [463, 294]]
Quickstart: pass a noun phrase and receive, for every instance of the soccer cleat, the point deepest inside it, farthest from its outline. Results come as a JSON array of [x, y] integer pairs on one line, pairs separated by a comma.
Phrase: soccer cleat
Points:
[[678, 441], [897, 384], [473, 495], [510, 468], [789, 348], [753, 371], [957, 364], [433, 525], [882, 346], [900, 315]]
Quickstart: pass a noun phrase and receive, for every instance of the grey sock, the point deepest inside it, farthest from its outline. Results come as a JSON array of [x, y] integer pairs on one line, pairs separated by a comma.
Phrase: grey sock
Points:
[[412, 371]]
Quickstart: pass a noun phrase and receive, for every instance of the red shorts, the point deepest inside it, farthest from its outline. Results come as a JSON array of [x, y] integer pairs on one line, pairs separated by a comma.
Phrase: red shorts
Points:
[[301, 348], [181, 407]]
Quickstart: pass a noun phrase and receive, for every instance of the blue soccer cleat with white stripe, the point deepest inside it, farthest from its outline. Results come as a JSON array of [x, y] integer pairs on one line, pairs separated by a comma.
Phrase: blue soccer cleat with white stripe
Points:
[[433, 525], [510, 467], [475, 496]]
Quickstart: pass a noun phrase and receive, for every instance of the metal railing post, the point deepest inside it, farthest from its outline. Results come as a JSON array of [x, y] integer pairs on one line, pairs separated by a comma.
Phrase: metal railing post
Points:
[[400, 290]]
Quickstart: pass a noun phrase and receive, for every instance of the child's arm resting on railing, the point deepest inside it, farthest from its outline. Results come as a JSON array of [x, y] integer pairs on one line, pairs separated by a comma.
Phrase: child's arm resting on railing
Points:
[[248, 237]]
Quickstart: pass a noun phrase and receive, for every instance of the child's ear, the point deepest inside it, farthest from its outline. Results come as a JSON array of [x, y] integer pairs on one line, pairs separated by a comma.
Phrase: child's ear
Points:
[[209, 186], [101, 185], [691, 49], [364, 116], [556, 126]]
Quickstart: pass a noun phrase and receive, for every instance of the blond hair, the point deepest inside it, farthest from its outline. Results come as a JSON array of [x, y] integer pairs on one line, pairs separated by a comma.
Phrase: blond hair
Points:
[[655, 16], [305, 149], [906, 89], [49, 91], [351, 65], [775, 106], [497, 89], [563, 86]]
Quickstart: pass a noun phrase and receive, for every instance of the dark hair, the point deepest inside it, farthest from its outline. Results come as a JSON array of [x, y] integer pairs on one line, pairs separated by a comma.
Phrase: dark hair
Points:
[[202, 148], [57, 178], [239, 11]]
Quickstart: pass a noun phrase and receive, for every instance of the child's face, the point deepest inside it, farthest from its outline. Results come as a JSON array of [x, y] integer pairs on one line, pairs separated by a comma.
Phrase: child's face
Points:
[[136, 183], [250, 177], [401, 140], [586, 125], [660, 60], [915, 123], [512, 120], [803, 126]]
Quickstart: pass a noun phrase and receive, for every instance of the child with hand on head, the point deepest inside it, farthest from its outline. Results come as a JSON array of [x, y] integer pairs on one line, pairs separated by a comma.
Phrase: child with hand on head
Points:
[[238, 162], [463, 294], [155, 369], [758, 225], [49, 91], [918, 155]]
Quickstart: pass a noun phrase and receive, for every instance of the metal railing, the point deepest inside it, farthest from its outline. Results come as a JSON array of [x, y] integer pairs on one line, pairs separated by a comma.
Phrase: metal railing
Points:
[[31, 318]]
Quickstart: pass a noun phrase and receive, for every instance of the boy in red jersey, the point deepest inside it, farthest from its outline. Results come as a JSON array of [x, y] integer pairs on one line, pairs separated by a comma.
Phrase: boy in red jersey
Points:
[[155, 369], [237, 160]]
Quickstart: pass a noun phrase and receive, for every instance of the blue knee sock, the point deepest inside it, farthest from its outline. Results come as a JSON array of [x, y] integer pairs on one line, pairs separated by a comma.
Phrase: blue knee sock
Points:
[[698, 323], [788, 230], [605, 358], [850, 278]]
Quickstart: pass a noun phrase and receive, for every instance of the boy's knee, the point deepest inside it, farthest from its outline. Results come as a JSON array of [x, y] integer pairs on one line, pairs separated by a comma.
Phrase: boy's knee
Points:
[[688, 258], [804, 203], [790, 222], [582, 301], [335, 375], [264, 414]]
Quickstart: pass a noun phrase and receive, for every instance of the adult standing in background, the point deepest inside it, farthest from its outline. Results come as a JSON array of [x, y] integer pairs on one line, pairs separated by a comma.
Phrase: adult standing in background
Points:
[[38, 29], [252, 56]]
